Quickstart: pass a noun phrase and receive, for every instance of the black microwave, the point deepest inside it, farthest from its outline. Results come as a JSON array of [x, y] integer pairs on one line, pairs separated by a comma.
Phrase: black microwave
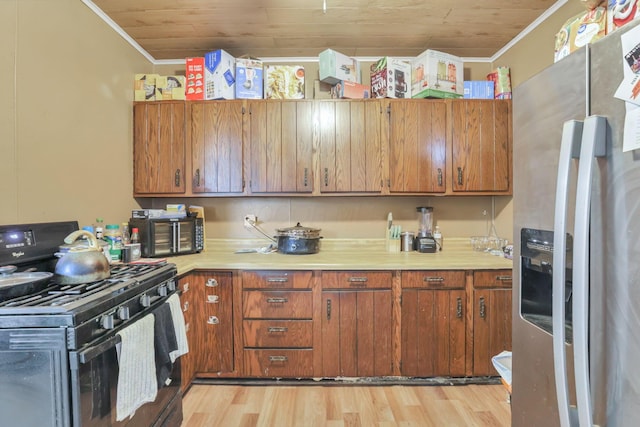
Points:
[[169, 236]]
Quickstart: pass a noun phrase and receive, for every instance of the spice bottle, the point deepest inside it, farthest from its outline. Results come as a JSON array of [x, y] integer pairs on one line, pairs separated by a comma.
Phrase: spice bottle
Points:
[[99, 228], [126, 237]]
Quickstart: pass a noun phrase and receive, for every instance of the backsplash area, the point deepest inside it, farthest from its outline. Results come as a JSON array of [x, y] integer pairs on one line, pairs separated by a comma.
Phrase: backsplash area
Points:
[[350, 217]]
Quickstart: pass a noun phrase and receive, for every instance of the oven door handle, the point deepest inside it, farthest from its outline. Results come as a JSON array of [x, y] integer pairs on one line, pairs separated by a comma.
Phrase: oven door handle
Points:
[[88, 354]]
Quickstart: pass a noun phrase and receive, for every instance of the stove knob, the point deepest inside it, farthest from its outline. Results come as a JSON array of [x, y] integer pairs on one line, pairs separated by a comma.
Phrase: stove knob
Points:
[[123, 313], [107, 321], [145, 300], [171, 285], [162, 290]]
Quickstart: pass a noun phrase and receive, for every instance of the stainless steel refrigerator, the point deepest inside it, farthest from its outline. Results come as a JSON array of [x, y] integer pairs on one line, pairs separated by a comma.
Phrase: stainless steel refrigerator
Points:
[[576, 246]]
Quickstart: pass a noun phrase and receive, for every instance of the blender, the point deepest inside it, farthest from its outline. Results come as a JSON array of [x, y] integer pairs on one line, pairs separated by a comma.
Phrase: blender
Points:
[[424, 241]]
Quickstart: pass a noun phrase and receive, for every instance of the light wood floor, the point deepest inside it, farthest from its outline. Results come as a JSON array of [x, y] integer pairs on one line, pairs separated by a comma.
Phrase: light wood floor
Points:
[[331, 405]]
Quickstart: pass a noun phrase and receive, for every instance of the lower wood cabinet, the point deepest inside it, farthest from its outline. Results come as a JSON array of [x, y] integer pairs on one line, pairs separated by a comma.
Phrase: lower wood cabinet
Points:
[[491, 318], [356, 324], [277, 325], [207, 299], [433, 317]]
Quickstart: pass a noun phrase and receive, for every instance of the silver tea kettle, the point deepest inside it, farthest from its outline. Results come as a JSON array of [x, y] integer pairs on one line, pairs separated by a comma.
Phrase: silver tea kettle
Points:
[[81, 263]]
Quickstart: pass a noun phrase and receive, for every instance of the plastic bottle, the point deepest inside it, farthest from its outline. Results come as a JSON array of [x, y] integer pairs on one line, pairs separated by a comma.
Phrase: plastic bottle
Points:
[[113, 236], [99, 228], [126, 237], [135, 236], [437, 236]]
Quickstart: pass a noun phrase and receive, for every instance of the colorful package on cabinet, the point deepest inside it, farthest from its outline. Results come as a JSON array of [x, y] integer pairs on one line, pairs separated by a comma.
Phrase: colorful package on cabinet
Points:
[[219, 75], [194, 86], [144, 87], [586, 27], [390, 78], [620, 13], [249, 78], [501, 78], [437, 75], [350, 90], [481, 89], [284, 82], [334, 66], [170, 87]]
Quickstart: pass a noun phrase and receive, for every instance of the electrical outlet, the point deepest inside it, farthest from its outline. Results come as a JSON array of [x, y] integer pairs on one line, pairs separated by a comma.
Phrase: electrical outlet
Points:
[[250, 220]]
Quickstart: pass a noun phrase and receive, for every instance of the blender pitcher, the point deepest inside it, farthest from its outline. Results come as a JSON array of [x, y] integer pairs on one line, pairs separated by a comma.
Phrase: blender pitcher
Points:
[[424, 241]]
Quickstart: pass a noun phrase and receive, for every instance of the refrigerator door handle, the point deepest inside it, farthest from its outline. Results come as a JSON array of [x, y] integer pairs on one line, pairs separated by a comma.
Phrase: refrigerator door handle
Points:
[[593, 145], [569, 148]]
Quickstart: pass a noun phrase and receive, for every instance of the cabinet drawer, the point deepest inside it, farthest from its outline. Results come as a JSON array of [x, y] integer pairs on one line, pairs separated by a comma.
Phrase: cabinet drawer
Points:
[[356, 280], [493, 279], [277, 333], [277, 304], [278, 363], [433, 279], [276, 279]]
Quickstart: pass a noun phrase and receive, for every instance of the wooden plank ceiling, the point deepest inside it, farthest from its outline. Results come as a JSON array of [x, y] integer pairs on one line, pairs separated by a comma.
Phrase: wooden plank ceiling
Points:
[[175, 29]]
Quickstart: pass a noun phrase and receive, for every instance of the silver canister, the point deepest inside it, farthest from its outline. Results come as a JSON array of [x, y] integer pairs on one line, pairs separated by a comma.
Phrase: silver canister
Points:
[[406, 241]]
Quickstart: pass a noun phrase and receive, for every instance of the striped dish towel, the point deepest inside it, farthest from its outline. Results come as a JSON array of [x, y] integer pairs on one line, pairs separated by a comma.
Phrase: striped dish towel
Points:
[[178, 323]]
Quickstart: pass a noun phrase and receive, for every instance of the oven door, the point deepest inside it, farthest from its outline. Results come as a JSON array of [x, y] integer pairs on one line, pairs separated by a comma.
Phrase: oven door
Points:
[[94, 381], [34, 381]]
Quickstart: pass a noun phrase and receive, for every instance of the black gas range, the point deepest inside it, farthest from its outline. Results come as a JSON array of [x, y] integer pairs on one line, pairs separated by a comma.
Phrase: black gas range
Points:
[[59, 343]]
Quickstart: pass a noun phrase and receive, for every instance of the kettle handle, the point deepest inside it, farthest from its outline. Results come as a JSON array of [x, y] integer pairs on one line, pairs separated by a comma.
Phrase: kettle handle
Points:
[[93, 242]]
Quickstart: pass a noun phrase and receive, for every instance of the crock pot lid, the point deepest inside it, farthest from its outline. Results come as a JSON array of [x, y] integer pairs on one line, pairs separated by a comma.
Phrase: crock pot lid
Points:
[[299, 231]]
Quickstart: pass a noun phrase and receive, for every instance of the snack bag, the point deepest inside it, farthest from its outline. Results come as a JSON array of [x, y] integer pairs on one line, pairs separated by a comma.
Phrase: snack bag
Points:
[[501, 78]]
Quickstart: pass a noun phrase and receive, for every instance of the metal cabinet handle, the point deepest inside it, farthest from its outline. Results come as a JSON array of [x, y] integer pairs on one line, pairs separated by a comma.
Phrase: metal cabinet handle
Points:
[[275, 329], [278, 359], [504, 278], [177, 178], [357, 281], [213, 299], [430, 279], [306, 177], [197, 178], [326, 177], [277, 280], [185, 306], [439, 177], [459, 308], [213, 320], [459, 175], [211, 283], [483, 308], [277, 300], [328, 309]]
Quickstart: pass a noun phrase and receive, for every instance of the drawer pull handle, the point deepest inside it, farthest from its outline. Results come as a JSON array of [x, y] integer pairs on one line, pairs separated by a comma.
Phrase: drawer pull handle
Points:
[[185, 306], [483, 308], [328, 309], [213, 320], [277, 280], [459, 308], [213, 299], [357, 279], [459, 175], [278, 359], [434, 279], [277, 300], [274, 329], [504, 278], [211, 283], [440, 177]]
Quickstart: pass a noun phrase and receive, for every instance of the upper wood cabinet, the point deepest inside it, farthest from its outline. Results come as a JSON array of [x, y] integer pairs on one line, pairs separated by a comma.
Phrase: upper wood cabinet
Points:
[[481, 146], [350, 145], [417, 146], [216, 146], [159, 148], [280, 139]]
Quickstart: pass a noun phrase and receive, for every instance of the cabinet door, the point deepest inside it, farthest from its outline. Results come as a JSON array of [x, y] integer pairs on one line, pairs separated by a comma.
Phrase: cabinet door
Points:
[[213, 296], [216, 145], [433, 333], [491, 327], [481, 145], [281, 146], [356, 333], [350, 146], [188, 361], [159, 147], [417, 146]]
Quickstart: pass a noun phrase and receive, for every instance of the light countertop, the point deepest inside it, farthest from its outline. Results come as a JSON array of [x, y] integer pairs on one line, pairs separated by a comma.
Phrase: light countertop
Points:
[[338, 254]]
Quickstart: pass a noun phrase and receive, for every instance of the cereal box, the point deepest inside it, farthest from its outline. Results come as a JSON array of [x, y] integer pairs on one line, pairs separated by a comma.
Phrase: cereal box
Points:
[[334, 67], [170, 87], [436, 75], [194, 86], [144, 87], [586, 27], [350, 90], [284, 82], [219, 75], [249, 76], [479, 89], [391, 78]]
